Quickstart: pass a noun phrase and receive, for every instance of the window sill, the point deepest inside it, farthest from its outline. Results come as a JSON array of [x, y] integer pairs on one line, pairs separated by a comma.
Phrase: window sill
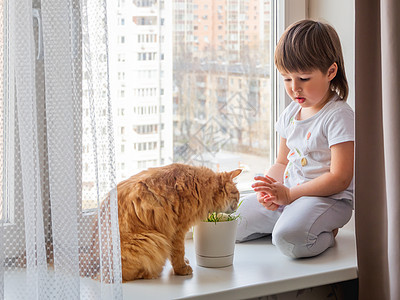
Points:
[[258, 270]]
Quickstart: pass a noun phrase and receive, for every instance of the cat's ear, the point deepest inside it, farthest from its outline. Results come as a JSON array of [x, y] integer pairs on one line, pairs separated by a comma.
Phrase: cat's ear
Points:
[[235, 173]]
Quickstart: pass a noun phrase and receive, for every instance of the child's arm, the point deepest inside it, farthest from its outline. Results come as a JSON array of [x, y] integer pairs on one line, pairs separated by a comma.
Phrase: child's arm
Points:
[[278, 168], [276, 172], [336, 180]]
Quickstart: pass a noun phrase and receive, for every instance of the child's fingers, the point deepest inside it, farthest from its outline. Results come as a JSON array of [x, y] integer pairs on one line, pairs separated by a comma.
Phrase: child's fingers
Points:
[[260, 183], [269, 198], [268, 202], [270, 178], [271, 206], [264, 179], [263, 189]]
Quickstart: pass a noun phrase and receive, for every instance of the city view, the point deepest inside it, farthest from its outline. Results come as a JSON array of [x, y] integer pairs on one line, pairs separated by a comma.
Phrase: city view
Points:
[[189, 83]]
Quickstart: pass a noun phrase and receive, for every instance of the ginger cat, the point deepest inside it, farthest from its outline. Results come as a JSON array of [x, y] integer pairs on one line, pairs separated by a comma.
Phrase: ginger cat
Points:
[[158, 206]]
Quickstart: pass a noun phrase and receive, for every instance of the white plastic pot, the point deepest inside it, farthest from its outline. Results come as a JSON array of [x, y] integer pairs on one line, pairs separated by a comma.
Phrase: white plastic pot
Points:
[[215, 243]]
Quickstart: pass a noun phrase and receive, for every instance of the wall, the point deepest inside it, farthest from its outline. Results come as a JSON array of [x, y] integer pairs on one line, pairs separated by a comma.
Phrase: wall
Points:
[[340, 14]]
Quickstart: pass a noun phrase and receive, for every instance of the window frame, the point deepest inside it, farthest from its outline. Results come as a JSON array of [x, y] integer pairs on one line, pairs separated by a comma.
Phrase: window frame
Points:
[[283, 13], [8, 113]]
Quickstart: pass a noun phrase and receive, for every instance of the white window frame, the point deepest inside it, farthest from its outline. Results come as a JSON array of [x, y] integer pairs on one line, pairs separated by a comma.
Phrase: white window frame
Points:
[[8, 111], [14, 222], [283, 13]]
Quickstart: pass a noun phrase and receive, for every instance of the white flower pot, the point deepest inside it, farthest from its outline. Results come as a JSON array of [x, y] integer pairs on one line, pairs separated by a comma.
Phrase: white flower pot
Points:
[[215, 243]]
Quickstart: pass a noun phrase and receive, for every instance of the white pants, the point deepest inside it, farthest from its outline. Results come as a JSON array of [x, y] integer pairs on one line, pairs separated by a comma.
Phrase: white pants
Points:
[[301, 229]]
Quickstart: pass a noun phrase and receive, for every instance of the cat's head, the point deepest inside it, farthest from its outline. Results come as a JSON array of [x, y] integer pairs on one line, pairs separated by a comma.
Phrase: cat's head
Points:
[[229, 194]]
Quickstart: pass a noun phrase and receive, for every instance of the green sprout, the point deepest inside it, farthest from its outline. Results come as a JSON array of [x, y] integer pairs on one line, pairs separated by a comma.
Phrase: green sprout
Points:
[[222, 217]]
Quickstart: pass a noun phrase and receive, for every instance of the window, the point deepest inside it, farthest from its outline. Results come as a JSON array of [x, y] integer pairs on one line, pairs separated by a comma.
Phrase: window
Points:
[[7, 127], [146, 56], [200, 103], [145, 3], [121, 57], [144, 20], [211, 91], [121, 75], [147, 38], [180, 107]]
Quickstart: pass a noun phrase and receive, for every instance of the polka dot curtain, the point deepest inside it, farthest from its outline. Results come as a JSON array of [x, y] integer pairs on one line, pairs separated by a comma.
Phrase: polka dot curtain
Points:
[[59, 237]]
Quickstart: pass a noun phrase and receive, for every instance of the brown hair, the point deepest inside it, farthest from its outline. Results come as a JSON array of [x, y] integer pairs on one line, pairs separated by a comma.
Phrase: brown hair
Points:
[[310, 45]]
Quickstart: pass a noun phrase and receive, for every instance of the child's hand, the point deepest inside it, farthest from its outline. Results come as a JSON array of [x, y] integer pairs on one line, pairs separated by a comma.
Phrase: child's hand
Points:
[[274, 191], [266, 201]]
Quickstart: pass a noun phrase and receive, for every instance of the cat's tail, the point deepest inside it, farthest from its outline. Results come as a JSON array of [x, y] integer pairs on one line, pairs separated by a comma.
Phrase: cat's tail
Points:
[[143, 254]]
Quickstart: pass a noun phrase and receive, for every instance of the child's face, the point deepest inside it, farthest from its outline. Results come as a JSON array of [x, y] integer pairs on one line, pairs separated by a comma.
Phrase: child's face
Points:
[[309, 89]]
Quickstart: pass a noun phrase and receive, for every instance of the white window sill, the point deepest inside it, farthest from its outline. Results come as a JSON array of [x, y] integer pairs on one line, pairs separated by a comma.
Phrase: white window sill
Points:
[[259, 269]]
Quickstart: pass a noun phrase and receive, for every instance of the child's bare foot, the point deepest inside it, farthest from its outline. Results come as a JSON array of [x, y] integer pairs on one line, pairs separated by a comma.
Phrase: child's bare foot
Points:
[[335, 232]]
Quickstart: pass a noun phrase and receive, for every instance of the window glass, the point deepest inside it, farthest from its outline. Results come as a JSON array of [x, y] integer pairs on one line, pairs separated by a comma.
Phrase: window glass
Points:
[[221, 85], [190, 83]]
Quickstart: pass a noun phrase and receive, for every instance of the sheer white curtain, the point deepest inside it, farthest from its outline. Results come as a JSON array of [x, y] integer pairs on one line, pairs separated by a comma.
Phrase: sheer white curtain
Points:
[[55, 242]]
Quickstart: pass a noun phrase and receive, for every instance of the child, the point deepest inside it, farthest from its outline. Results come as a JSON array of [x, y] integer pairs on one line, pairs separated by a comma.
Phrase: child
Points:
[[307, 194]]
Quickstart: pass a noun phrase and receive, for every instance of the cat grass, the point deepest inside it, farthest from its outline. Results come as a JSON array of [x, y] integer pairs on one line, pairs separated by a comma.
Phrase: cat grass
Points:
[[222, 217]]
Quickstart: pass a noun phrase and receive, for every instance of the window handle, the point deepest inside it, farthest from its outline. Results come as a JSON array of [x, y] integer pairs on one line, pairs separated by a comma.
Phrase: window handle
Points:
[[38, 17]]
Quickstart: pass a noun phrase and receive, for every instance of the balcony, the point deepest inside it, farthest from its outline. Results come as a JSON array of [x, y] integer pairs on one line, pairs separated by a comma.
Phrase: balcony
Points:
[[143, 20]]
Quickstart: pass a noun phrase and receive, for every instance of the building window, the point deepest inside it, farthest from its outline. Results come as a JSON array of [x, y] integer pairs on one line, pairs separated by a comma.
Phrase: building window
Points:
[[145, 3]]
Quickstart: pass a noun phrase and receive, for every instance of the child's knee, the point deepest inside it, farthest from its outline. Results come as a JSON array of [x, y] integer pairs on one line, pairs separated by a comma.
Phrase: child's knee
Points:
[[292, 242], [285, 241], [297, 243]]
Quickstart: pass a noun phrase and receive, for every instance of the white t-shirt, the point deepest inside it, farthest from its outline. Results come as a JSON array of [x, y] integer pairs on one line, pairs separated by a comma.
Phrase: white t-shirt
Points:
[[309, 141]]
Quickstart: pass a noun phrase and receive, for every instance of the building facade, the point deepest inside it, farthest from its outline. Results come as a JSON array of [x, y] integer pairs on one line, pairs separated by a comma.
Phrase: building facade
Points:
[[142, 85]]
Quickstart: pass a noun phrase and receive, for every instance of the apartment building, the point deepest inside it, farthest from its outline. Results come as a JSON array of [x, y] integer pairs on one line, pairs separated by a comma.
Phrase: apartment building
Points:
[[221, 78], [217, 28], [141, 82]]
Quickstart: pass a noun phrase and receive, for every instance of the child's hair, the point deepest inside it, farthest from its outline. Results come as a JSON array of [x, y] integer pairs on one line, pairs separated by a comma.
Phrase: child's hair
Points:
[[310, 45]]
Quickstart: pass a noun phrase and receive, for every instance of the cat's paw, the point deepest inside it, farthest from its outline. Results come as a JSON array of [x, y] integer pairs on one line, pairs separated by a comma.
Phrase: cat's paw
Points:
[[184, 270]]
